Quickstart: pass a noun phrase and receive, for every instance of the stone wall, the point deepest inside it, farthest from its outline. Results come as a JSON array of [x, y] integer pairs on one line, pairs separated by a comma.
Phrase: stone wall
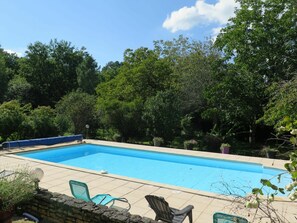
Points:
[[59, 208]]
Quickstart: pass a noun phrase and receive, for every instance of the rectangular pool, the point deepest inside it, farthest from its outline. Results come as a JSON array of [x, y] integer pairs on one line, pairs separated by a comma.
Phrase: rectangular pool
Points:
[[205, 174]]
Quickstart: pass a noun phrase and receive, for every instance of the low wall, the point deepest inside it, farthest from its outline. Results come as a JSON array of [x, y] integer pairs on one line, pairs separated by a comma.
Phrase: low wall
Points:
[[58, 208]]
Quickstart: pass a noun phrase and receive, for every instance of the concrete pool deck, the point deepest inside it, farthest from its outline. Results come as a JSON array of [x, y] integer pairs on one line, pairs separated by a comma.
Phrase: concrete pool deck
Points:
[[57, 176]]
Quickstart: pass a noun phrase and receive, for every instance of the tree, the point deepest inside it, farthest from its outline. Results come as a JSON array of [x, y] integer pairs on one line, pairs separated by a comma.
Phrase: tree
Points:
[[74, 111], [191, 62], [11, 63], [12, 118], [145, 72], [281, 109], [195, 77], [41, 123], [3, 76], [66, 59], [259, 48], [235, 101], [161, 114], [8, 68], [262, 38], [110, 71], [51, 70], [37, 69], [177, 49], [87, 74], [121, 99], [18, 89], [123, 116]]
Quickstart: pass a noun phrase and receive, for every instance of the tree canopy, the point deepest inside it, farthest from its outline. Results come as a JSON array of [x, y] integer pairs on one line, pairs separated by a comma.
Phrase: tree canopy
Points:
[[121, 98], [241, 85], [75, 111], [55, 69], [262, 38]]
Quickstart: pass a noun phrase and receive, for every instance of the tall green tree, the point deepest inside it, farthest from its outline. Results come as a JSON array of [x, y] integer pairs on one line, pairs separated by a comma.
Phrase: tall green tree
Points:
[[37, 69], [74, 111], [281, 110], [191, 62], [123, 116], [176, 49], [262, 38], [18, 89], [235, 101], [40, 123], [259, 49], [162, 115], [51, 70], [121, 99], [66, 59], [3, 77], [110, 71], [12, 64], [87, 74], [12, 118], [8, 68], [145, 72]]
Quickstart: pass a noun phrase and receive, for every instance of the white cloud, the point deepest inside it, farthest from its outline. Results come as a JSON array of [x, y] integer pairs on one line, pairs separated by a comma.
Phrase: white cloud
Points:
[[215, 32], [19, 54], [200, 14]]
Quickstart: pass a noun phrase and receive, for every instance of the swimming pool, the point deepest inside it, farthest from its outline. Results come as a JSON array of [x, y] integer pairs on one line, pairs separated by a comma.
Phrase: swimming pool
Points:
[[205, 174]]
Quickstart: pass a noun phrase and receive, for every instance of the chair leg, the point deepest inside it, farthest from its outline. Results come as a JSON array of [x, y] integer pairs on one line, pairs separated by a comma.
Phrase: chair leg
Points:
[[112, 204], [190, 215]]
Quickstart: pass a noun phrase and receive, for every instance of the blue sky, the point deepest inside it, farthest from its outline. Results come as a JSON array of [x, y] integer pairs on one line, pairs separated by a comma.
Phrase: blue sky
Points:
[[108, 27]]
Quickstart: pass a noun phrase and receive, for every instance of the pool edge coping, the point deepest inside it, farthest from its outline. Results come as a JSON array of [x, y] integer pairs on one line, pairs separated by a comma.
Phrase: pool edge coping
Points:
[[144, 182], [265, 162], [226, 157]]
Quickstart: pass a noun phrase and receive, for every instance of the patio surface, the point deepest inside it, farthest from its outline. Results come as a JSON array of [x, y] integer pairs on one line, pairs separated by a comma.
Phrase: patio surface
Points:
[[56, 179]]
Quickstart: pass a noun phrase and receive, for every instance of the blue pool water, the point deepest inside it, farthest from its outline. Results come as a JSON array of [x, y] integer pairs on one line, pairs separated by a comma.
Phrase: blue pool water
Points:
[[206, 174]]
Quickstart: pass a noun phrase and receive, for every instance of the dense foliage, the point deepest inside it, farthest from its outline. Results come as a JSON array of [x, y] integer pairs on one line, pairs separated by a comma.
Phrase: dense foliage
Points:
[[235, 89], [16, 189]]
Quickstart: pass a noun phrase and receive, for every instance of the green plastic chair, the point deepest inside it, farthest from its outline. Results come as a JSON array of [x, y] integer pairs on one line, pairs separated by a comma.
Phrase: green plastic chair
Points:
[[219, 217], [80, 191]]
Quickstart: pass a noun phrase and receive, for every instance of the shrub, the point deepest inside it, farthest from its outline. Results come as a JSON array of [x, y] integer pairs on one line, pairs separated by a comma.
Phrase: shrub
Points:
[[15, 189], [269, 152], [190, 144], [158, 141], [117, 137], [212, 143]]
